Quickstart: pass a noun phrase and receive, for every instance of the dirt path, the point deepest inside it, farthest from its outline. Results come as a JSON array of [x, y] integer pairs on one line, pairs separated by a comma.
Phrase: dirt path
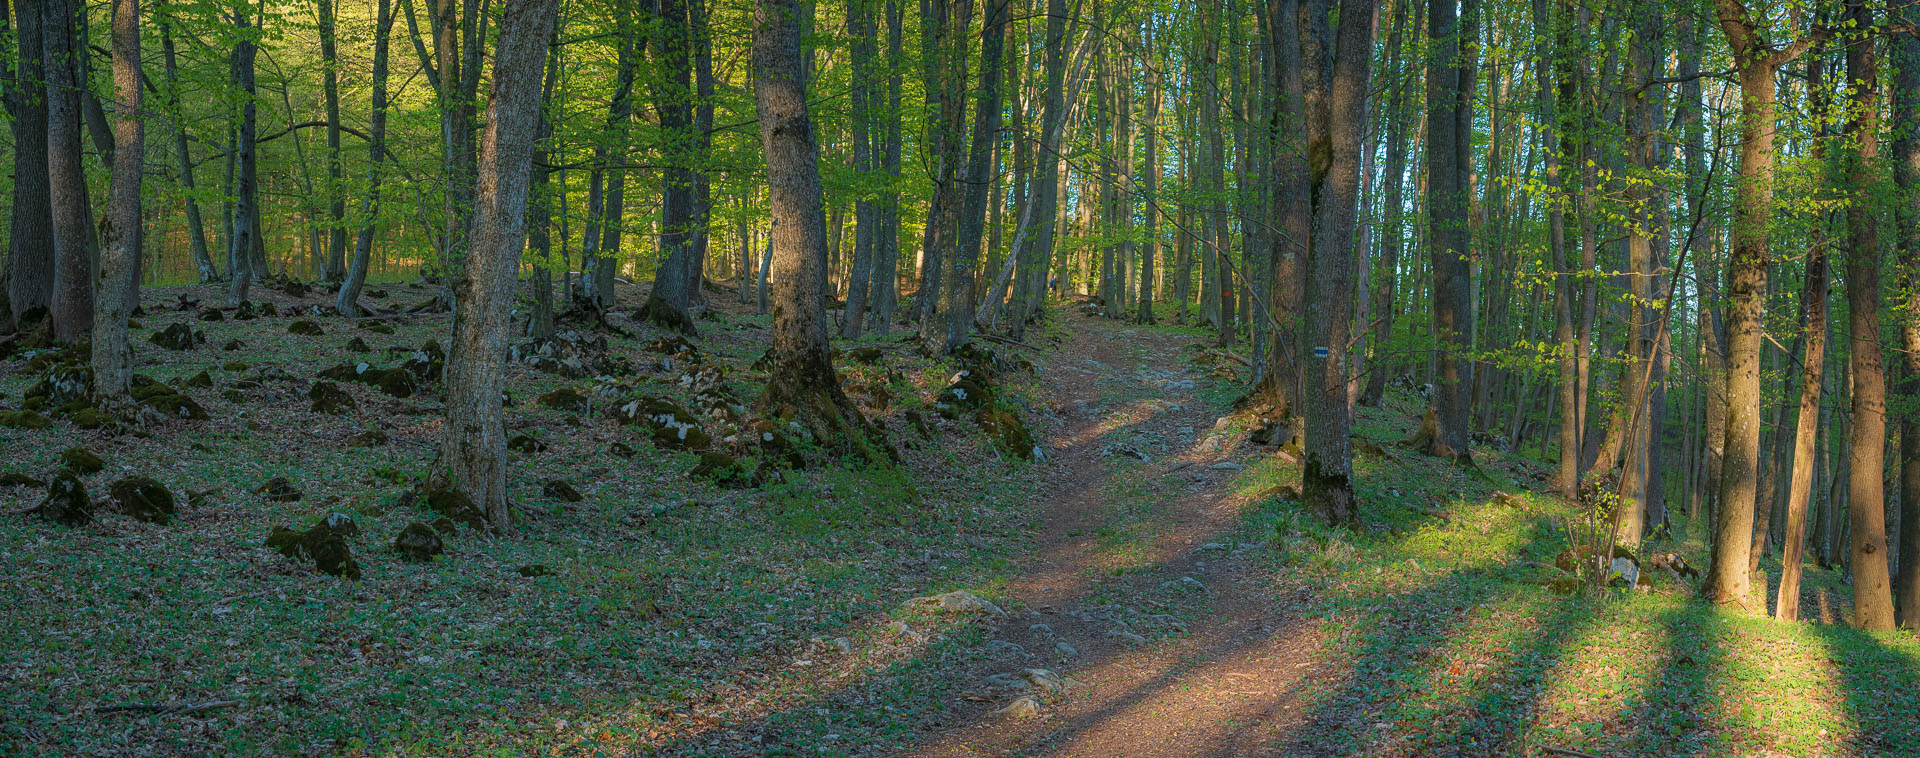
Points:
[[1224, 675]]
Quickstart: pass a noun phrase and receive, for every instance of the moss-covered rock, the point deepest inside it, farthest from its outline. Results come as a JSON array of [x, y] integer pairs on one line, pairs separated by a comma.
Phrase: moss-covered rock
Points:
[[454, 504], [327, 397], [564, 399], [357, 345], [561, 490], [62, 384], [143, 498], [377, 327], [621, 450], [278, 490], [524, 444], [305, 328], [177, 337], [24, 420], [176, 405], [81, 461], [532, 570], [418, 543], [93, 418], [1009, 433], [67, 502], [671, 426], [369, 438], [17, 479], [233, 345], [201, 380], [722, 469], [325, 543], [212, 314]]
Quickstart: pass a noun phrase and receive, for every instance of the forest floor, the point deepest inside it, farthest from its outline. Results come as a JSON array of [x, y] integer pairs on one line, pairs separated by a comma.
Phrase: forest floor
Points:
[[1149, 589]]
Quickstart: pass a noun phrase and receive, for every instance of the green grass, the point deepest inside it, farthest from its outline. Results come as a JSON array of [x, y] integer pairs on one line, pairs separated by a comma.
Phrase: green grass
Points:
[[1450, 645]]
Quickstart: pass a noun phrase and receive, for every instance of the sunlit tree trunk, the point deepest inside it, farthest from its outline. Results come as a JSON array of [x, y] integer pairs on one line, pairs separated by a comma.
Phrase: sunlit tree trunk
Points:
[[348, 302]]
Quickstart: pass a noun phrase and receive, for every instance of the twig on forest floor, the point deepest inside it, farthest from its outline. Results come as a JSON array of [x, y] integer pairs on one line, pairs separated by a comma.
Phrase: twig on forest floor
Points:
[[170, 708], [1006, 340]]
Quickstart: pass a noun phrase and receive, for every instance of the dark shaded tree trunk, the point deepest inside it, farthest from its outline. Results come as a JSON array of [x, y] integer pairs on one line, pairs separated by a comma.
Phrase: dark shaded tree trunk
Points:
[[196, 226], [473, 454], [336, 191], [1450, 85], [956, 296], [71, 303], [243, 238], [605, 196], [348, 301], [30, 256], [674, 282], [864, 29]]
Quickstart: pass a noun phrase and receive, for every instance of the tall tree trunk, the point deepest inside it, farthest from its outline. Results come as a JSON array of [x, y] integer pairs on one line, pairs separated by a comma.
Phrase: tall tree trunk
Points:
[[886, 264], [120, 234], [599, 256], [956, 294], [30, 251], [862, 26], [244, 237], [671, 298], [348, 301], [336, 190], [1450, 85], [1392, 235], [196, 227], [1872, 601], [1906, 175], [540, 202], [71, 304], [703, 90], [473, 454], [804, 384], [1150, 128], [1755, 63], [1327, 473]]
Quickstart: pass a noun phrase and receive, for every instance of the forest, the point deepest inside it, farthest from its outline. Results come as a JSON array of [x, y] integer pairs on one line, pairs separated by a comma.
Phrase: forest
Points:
[[960, 377]]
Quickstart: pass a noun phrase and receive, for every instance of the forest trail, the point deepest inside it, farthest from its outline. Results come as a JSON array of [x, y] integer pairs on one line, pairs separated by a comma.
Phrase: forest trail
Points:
[[1129, 549]]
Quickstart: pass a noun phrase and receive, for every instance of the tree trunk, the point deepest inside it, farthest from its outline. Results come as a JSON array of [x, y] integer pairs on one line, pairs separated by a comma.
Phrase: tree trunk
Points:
[[336, 191], [71, 304], [243, 239], [1906, 175], [30, 256], [865, 95], [120, 234], [886, 265], [1872, 601], [803, 384], [473, 454], [598, 256], [673, 290], [348, 301], [1755, 62], [1327, 472], [196, 227], [956, 295], [1450, 84]]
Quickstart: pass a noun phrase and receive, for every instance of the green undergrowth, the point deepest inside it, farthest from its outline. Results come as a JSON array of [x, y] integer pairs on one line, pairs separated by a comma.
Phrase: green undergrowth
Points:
[[1445, 640], [646, 597]]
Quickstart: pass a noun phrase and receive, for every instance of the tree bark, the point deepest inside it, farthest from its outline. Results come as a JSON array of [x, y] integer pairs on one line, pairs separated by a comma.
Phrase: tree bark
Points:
[[473, 453], [671, 297], [1872, 601], [71, 303], [243, 237], [1755, 63], [30, 256], [336, 191], [348, 301], [1906, 175], [804, 384], [120, 233], [1450, 85], [1327, 472]]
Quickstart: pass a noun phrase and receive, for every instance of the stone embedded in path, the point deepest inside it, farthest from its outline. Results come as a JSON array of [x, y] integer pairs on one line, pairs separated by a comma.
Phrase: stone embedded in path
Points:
[[1025, 706], [958, 601]]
